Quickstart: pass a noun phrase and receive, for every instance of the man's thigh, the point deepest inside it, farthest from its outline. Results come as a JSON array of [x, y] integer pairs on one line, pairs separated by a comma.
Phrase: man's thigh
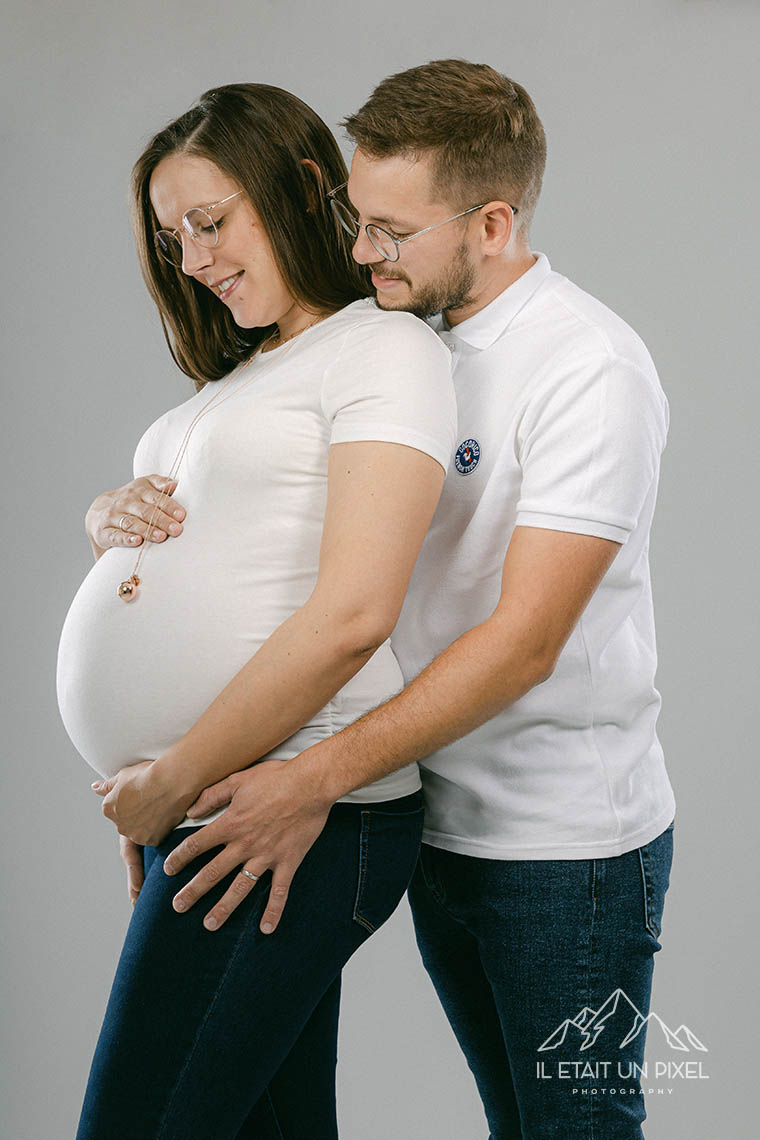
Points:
[[567, 948]]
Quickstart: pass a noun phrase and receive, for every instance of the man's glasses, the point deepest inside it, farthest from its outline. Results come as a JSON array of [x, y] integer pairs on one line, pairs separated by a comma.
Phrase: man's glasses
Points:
[[196, 224], [384, 242]]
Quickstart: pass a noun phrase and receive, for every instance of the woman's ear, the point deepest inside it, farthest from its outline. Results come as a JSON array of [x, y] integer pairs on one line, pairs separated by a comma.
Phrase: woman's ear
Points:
[[314, 184]]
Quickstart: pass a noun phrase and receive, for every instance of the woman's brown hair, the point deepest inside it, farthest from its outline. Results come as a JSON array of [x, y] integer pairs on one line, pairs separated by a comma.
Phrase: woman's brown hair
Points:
[[259, 136]]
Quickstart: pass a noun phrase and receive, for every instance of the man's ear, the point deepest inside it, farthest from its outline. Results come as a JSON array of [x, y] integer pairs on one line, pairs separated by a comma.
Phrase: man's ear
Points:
[[499, 226], [314, 184]]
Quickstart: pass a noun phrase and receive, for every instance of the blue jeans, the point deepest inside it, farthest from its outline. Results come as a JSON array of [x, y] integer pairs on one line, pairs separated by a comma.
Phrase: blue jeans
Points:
[[232, 1034], [517, 951]]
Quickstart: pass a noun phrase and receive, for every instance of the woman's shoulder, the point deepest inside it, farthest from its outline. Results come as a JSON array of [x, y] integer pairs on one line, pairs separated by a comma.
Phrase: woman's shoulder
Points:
[[369, 323]]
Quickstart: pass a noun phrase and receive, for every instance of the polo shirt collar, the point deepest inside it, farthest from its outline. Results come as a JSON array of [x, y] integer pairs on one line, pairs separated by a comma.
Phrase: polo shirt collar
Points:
[[481, 330]]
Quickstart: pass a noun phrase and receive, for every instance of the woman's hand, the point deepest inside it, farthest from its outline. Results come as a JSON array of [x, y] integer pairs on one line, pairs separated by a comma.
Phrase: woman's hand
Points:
[[131, 857], [121, 517], [143, 803]]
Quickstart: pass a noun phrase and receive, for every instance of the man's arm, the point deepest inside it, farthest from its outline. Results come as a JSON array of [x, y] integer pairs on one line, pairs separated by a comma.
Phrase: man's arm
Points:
[[547, 581]]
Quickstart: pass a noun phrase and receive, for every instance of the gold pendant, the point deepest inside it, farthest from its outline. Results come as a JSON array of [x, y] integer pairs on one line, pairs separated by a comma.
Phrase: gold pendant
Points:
[[128, 589]]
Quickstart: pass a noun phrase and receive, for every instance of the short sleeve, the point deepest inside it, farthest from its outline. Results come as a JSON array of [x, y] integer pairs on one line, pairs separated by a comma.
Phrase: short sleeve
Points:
[[391, 382], [589, 448], [144, 461]]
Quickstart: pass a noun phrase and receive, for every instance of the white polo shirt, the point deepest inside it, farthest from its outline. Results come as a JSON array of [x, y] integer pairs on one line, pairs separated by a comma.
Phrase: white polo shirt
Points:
[[561, 424]]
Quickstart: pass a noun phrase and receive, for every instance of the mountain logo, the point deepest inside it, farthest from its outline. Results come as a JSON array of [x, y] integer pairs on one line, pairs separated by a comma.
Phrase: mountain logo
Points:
[[623, 1021]]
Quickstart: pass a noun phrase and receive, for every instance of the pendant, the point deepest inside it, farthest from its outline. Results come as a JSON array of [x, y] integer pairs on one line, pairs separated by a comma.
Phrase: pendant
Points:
[[128, 589]]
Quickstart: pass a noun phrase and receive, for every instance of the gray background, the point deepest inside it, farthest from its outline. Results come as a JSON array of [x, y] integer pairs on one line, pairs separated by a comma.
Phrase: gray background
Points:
[[651, 111]]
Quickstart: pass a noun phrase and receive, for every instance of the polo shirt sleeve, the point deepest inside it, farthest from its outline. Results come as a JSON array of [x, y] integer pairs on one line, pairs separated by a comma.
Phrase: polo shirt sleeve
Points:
[[391, 382], [589, 448]]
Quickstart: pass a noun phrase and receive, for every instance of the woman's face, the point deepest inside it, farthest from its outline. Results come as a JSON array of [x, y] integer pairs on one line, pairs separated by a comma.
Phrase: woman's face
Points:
[[240, 269]]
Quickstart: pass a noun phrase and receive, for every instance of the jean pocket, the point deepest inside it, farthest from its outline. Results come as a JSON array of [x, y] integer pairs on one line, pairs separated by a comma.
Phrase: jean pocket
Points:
[[655, 860], [389, 844]]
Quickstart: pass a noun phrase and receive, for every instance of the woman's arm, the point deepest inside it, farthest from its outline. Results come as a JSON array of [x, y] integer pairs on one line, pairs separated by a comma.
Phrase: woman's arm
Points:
[[381, 499]]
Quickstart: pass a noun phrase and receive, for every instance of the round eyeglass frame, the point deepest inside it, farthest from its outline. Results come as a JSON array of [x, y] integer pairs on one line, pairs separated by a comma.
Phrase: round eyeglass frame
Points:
[[175, 236], [354, 227]]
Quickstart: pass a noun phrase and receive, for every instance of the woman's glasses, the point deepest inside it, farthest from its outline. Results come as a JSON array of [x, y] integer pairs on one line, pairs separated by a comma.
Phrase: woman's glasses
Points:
[[196, 224]]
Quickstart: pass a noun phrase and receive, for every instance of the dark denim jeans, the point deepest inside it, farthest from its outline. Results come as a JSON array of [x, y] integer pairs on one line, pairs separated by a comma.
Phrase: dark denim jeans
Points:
[[518, 951], [232, 1034]]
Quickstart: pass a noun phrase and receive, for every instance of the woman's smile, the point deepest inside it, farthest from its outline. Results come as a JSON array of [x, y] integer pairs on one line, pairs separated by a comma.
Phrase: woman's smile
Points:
[[228, 285]]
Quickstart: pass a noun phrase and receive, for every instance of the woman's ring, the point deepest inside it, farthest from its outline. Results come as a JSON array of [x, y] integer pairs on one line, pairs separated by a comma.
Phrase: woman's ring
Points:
[[249, 874], [125, 523]]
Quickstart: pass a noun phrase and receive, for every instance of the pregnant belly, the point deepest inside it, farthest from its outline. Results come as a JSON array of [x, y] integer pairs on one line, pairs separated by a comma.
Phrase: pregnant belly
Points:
[[133, 677]]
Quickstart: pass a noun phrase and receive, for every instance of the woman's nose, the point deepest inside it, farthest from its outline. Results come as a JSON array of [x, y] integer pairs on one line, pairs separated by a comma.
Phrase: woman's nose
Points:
[[194, 256]]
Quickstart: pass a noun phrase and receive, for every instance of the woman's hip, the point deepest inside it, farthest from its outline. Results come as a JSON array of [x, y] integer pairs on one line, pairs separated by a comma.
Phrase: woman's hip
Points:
[[219, 1011]]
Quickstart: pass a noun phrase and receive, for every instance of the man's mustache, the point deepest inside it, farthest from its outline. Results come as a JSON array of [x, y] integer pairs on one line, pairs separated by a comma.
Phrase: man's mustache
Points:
[[378, 269]]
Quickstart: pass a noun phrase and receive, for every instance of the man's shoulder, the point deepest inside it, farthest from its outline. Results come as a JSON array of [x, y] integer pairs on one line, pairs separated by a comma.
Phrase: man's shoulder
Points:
[[573, 323]]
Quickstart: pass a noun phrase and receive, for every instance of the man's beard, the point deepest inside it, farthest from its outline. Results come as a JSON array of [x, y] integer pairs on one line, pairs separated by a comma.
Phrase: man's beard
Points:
[[452, 290]]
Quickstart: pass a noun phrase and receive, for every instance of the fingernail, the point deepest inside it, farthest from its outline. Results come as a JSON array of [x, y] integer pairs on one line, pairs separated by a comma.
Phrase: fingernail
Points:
[[179, 514], [133, 538], [179, 904], [167, 869], [174, 528], [95, 786], [158, 534], [210, 923], [267, 928]]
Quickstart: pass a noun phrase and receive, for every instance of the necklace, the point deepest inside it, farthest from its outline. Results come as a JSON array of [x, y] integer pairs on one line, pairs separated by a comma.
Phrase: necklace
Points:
[[284, 340], [127, 590]]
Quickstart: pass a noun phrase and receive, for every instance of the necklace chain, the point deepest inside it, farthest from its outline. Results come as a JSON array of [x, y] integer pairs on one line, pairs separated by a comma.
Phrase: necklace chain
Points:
[[128, 589], [284, 340]]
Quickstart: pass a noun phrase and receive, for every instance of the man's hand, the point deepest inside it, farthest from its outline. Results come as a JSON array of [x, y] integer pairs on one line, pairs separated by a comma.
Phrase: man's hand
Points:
[[142, 802], [272, 820], [131, 857]]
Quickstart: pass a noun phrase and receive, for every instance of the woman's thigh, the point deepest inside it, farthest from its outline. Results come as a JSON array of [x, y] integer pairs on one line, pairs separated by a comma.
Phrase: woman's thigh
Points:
[[199, 1023], [299, 1101]]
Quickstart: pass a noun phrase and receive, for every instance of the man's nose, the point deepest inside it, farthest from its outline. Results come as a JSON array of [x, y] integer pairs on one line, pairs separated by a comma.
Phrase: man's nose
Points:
[[363, 251], [194, 256]]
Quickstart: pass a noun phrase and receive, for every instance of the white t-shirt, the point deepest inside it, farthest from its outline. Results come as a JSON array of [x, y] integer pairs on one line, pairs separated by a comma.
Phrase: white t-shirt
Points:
[[134, 677], [561, 424]]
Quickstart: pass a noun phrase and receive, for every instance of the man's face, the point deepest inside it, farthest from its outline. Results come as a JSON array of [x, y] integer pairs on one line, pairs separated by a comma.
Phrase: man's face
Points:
[[436, 270]]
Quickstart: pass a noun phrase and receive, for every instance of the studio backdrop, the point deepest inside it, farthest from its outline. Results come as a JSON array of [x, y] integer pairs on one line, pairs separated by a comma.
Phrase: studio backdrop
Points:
[[649, 203]]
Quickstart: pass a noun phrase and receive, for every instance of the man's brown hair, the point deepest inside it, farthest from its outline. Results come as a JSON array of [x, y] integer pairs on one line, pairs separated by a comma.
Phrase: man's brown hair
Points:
[[481, 127]]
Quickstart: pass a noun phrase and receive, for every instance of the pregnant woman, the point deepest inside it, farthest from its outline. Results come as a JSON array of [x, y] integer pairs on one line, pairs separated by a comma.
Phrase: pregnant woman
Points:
[[308, 465]]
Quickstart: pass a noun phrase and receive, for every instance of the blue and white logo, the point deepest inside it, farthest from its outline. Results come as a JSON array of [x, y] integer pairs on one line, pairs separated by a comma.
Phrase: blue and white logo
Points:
[[467, 456]]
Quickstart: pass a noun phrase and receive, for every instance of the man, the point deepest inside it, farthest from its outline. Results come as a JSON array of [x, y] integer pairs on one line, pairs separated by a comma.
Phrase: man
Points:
[[527, 635]]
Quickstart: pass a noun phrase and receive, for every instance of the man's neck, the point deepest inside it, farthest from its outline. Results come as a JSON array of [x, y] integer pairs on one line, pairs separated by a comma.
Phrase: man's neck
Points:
[[499, 277]]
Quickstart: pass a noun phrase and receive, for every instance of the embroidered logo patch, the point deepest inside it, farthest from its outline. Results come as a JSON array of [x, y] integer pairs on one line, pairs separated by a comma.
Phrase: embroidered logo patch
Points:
[[467, 456]]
